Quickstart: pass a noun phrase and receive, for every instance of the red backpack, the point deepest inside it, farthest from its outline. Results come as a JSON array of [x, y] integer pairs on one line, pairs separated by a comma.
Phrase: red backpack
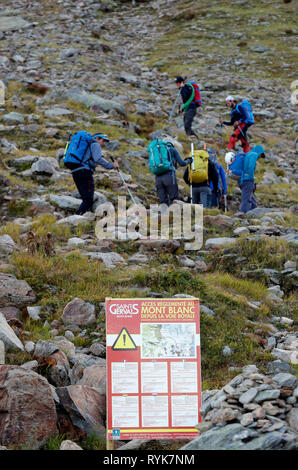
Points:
[[197, 98]]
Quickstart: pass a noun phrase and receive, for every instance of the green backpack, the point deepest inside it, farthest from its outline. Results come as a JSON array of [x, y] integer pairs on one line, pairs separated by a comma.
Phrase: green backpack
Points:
[[159, 157]]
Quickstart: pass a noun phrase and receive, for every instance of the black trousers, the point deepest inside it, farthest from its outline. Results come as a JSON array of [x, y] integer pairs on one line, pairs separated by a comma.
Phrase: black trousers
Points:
[[85, 183], [167, 187], [188, 117]]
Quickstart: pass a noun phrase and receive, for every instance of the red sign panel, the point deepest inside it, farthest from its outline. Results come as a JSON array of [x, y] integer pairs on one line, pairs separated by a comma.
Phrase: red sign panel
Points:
[[153, 368]]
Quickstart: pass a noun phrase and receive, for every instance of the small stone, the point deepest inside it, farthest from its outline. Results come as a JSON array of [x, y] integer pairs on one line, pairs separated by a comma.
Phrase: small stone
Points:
[[29, 347], [69, 445], [267, 395], [56, 112], [13, 118], [259, 48], [259, 413], [247, 419], [204, 426], [98, 349], [292, 419], [285, 380], [228, 389], [224, 415], [75, 241], [227, 351], [263, 422], [79, 312], [8, 336], [270, 409], [271, 343], [201, 266], [286, 321], [69, 335], [65, 202], [70, 52], [221, 241], [207, 310], [241, 231], [275, 367], [288, 356], [290, 265], [138, 258], [65, 345], [30, 365], [111, 260], [44, 349], [248, 396], [34, 312], [186, 262]]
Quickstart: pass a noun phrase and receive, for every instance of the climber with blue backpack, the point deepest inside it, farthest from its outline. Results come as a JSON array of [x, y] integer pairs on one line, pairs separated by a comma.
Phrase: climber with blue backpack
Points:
[[241, 167], [82, 154], [241, 118], [190, 94], [219, 194], [163, 161]]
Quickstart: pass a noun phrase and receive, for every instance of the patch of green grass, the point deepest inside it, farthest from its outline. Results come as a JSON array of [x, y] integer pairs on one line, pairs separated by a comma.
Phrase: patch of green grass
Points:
[[93, 442], [12, 230], [54, 442], [59, 279], [17, 358], [267, 253], [247, 288], [37, 330], [18, 208], [48, 223]]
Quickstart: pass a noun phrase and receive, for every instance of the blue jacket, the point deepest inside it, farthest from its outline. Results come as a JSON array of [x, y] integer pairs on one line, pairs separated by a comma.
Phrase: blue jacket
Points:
[[236, 115], [96, 159], [249, 164], [175, 157], [222, 182]]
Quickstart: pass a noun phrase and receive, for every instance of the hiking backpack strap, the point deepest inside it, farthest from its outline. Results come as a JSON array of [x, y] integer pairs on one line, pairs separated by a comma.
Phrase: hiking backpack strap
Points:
[[190, 100]]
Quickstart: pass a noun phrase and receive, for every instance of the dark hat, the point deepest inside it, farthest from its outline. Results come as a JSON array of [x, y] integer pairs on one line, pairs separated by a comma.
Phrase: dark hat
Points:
[[179, 79]]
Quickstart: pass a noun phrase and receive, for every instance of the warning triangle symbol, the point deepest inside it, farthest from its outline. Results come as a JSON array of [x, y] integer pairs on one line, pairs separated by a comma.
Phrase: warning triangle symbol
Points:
[[124, 342]]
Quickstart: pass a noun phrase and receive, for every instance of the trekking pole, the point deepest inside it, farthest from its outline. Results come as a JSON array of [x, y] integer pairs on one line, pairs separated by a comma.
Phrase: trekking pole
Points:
[[125, 184], [174, 106], [193, 167], [244, 137], [226, 202]]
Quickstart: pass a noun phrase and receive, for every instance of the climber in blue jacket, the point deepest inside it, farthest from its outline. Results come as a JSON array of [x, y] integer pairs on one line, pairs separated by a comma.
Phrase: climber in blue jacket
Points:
[[222, 187], [247, 181]]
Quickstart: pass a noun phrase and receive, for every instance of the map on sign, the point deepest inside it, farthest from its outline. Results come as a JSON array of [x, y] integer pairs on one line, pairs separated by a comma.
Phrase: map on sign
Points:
[[168, 340], [153, 368]]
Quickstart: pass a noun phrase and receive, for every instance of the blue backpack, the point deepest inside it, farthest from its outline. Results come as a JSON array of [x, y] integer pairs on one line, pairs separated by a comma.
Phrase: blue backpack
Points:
[[235, 169], [76, 148], [212, 155], [245, 109]]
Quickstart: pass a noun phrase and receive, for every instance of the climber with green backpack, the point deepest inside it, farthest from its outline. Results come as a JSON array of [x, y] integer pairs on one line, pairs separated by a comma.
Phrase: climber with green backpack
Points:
[[198, 176], [190, 94], [163, 161]]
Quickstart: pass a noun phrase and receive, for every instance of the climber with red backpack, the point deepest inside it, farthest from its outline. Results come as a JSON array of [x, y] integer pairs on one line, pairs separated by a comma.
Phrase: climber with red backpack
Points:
[[241, 118], [190, 94]]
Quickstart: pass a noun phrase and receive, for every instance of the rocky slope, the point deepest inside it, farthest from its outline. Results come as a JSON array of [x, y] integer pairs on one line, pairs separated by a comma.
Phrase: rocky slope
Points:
[[109, 66]]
